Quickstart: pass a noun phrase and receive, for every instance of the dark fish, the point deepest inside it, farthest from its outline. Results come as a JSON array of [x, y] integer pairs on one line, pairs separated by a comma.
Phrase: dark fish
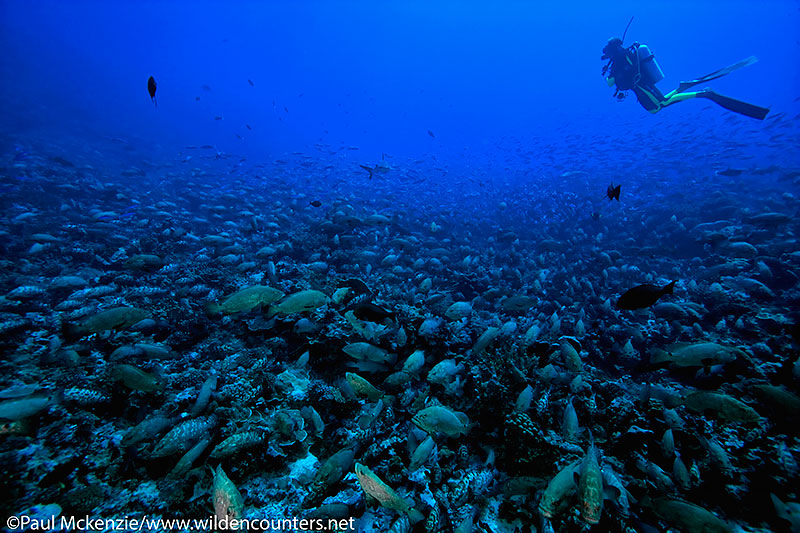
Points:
[[218, 117], [794, 329], [431, 134], [368, 169], [381, 167], [251, 83], [729, 172], [613, 192], [357, 285], [315, 203], [151, 88], [643, 296], [373, 313], [59, 472], [248, 126]]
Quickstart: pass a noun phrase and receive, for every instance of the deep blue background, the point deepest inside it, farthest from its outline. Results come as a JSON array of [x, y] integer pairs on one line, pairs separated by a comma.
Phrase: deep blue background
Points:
[[377, 75]]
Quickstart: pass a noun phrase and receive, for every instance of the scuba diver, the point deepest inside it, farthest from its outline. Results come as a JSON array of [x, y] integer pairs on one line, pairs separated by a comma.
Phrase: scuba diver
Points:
[[635, 68]]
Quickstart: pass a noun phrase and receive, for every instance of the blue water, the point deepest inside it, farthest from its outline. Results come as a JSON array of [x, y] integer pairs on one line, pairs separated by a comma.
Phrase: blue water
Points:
[[482, 78]]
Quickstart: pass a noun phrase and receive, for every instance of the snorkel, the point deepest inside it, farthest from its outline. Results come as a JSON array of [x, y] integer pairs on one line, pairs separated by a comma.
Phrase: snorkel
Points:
[[626, 29]]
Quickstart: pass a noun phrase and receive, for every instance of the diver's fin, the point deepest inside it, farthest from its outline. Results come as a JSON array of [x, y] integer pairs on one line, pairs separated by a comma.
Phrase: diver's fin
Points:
[[737, 106], [682, 86]]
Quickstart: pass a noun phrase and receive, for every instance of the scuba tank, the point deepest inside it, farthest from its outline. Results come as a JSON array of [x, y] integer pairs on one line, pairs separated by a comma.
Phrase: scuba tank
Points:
[[648, 66]]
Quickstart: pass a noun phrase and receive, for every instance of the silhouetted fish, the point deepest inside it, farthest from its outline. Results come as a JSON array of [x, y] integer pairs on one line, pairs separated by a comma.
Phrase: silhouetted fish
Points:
[[151, 88], [431, 134], [315, 203], [358, 286], [381, 167], [373, 313], [368, 169], [643, 296], [729, 172], [613, 192]]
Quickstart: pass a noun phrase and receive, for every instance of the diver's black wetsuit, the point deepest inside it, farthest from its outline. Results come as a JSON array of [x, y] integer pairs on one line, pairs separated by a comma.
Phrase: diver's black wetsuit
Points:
[[627, 76]]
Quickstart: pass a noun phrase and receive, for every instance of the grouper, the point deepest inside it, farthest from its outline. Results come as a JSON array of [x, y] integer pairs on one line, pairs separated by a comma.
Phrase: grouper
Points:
[[116, 318]]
